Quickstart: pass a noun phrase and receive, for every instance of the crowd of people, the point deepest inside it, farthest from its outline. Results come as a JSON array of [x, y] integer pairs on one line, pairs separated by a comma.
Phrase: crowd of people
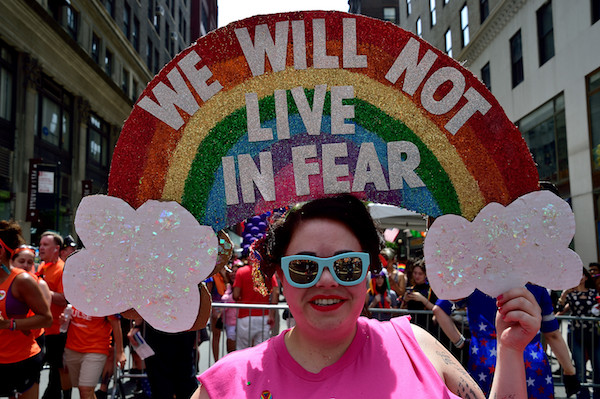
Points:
[[36, 329], [328, 283]]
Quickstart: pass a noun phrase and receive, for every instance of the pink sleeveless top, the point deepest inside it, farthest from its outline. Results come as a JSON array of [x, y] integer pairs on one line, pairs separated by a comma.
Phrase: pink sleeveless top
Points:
[[383, 360]]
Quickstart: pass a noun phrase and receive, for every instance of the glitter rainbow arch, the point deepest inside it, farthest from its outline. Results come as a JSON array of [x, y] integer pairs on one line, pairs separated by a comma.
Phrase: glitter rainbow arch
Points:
[[281, 108]]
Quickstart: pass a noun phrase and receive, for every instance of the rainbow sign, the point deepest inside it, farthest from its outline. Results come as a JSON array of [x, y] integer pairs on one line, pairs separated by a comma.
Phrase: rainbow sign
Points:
[[278, 109]]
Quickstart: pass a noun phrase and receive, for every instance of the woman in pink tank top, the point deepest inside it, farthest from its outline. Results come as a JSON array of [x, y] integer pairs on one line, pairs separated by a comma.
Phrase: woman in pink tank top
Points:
[[321, 252]]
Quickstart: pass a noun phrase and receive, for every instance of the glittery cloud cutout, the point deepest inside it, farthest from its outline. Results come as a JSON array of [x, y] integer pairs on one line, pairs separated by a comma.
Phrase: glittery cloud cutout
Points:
[[504, 248], [150, 259]]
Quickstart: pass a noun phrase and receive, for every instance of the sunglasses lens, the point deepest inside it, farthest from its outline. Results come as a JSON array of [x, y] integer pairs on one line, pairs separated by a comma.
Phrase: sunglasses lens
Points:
[[348, 269], [303, 271]]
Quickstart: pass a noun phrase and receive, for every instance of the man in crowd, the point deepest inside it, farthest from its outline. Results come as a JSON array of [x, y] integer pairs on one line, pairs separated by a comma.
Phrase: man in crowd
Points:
[[595, 272], [69, 246], [51, 270]]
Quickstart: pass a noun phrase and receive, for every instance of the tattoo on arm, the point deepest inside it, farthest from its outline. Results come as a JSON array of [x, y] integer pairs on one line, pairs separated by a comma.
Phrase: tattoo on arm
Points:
[[465, 387]]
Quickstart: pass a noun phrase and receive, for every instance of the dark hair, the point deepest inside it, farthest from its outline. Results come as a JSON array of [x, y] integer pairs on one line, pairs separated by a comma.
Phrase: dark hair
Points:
[[58, 240], [410, 268], [345, 209], [596, 264], [589, 282], [547, 185], [11, 235]]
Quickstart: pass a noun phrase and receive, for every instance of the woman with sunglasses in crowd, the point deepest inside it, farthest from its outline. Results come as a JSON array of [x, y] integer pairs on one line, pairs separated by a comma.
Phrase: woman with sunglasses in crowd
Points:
[[23, 308], [321, 251]]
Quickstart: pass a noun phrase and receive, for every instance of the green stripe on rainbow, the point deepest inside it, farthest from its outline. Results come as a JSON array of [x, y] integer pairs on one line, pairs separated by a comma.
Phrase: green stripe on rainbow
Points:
[[217, 144]]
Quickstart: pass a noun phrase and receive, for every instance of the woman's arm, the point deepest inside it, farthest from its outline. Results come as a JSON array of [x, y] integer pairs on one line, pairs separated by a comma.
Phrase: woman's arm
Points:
[[560, 350], [452, 372], [518, 320], [200, 394], [45, 290], [118, 335], [28, 291], [448, 326]]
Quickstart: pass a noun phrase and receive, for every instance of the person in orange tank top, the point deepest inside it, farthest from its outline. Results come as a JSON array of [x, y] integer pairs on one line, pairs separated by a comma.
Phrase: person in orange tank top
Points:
[[51, 270], [87, 348], [20, 357]]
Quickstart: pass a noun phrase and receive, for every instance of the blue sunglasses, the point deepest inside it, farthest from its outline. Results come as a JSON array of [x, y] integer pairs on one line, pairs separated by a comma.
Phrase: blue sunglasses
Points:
[[303, 271]]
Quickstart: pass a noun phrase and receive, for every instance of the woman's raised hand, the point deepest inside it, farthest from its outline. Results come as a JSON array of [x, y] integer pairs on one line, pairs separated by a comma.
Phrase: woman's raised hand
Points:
[[518, 319]]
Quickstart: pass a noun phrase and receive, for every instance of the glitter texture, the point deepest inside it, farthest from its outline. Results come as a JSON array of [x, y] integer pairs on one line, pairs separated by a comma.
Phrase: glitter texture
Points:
[[503, 248], [150, 259]]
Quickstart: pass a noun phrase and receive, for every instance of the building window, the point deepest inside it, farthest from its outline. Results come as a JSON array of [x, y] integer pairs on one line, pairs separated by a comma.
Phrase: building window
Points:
[[167, 36], [419, 27], [134, 90], [595, 11], [7, 62], [108, 63], [72, 21], [516, 59], [484, 10], [486, 76], [125, 81], [205, 23], [150, 10], [464, 25], [448, 37], [110, 7], [389, 14], [545, 133], [180, 20], [408, 7], [95, 50], [432, 12], [545, 32], [593, 95], [126, 20], [149, 54], [6, 93], [54, 117], [156, 61], [135, 36], [158, 12], [97, 141]]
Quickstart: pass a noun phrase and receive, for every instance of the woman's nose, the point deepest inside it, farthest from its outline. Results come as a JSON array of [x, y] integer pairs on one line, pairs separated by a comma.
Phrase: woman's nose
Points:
[[326, 279]]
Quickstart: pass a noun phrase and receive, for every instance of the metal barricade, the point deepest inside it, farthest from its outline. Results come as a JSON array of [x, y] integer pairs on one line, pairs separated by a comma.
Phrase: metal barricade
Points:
[[584, 344]]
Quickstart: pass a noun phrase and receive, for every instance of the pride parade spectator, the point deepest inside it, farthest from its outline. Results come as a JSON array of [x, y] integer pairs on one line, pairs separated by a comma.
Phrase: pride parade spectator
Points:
[[51, 270], [23, 308]]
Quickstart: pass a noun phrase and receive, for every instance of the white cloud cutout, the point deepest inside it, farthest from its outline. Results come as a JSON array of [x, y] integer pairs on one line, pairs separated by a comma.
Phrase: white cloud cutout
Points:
[[150, 259], [503, 248]]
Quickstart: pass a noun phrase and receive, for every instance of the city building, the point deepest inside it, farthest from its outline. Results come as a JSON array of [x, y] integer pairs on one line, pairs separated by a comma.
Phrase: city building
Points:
[[541, 60], [70, 72]]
